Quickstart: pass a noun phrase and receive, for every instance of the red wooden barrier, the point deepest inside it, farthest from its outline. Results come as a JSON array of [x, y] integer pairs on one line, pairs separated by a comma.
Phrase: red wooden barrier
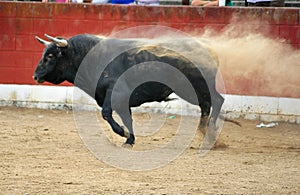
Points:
[[21, 21]]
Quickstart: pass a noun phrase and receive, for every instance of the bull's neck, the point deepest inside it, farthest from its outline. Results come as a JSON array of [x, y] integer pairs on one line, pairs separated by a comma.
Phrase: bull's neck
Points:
[[76, 56]]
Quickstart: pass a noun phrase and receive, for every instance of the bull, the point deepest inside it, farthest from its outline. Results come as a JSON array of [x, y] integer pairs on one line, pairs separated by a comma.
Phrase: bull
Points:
[[62, 58]]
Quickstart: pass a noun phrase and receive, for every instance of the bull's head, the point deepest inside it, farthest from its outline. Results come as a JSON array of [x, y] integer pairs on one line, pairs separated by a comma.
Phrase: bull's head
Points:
[[50, 67]]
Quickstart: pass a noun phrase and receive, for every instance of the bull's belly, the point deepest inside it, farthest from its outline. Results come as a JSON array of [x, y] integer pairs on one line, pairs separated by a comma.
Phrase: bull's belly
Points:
[[149, 92]]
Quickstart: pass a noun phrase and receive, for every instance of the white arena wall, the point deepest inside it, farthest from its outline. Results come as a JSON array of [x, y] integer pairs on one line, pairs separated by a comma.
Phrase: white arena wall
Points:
[[235, 106]]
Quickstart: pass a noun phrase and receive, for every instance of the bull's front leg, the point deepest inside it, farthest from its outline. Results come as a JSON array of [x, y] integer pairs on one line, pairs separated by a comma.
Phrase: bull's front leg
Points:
[[125, 115], [107, 115]]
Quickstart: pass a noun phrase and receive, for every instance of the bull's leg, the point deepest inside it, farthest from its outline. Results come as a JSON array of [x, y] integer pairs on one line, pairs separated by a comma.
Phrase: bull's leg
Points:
[[107, 115], [217, 102], [205, 111], [126, 117]]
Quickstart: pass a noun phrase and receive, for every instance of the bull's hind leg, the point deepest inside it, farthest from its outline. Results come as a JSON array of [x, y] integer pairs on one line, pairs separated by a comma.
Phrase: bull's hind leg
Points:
[[205, 111], [209, 131], [217, 102]]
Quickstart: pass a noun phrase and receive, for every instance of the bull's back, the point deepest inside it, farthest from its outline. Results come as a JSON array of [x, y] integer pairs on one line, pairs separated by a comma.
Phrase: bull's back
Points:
[[154, 90]]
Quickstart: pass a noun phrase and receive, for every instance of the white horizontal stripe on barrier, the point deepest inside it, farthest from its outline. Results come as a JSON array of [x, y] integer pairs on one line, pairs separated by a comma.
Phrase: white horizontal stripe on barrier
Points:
[[63, 97]]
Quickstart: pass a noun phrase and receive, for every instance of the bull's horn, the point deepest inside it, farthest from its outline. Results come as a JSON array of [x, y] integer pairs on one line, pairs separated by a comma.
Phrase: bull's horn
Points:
[[42, 41], [58, 42]]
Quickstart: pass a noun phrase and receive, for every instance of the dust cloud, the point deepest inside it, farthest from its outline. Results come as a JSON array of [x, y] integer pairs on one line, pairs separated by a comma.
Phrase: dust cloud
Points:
[[250, 62], [253, 64]]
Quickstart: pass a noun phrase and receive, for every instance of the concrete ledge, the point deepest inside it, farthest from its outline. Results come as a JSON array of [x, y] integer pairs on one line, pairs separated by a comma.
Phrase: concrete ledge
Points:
[[235, 106]]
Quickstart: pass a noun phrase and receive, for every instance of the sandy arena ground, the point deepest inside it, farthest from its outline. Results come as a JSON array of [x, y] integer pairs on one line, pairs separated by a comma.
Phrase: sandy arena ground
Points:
[[42, 153]]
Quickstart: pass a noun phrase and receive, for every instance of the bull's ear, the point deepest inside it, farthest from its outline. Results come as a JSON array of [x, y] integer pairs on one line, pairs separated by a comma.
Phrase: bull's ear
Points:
[[58, 42], [42, 41]]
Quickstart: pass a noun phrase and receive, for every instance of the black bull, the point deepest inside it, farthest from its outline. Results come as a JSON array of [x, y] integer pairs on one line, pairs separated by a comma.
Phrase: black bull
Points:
[[62, 59]]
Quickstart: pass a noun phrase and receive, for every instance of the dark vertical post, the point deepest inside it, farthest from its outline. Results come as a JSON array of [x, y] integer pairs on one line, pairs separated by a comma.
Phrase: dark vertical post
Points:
[[185, 2]]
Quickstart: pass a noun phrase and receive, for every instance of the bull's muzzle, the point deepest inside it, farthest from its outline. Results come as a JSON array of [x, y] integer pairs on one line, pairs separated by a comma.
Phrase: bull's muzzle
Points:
[[37, 80]]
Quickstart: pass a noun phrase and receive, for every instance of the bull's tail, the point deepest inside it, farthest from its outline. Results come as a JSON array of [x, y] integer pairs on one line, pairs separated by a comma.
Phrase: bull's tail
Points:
[[229, 120]]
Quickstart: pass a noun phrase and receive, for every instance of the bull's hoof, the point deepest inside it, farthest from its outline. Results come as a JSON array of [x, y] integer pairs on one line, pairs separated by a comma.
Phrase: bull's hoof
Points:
[[216, 146], [128, 146], [130, 140], [206, 147]]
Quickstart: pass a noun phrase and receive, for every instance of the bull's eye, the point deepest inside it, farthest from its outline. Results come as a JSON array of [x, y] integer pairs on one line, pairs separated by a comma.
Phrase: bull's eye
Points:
[[48, 57]]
